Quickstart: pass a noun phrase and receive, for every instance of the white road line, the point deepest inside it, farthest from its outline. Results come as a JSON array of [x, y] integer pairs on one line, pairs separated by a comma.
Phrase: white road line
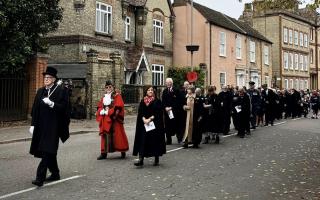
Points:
[[231, 134], [45, 185], [296, 119], [276, 124], [172, 150]]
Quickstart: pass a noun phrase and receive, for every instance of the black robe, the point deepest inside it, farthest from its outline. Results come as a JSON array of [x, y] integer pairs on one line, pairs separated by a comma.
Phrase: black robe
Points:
[[152, 143], [50, 124], [211, 114]]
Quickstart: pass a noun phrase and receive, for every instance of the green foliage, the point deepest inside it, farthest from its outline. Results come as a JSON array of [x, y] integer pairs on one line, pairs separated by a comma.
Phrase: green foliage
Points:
[[179, 76], [22, 24]]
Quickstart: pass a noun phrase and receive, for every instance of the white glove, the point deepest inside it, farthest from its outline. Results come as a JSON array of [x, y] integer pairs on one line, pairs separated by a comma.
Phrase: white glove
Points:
[[103, 112], [48, 102], [31, 129]]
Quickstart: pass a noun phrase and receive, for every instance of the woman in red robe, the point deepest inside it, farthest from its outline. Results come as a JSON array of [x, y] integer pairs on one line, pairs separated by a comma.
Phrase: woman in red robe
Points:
[[110, 115]]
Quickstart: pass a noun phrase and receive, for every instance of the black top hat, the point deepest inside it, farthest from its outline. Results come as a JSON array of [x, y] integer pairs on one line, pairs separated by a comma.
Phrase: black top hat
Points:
[[251, 83], [51, 71], [108, 82]]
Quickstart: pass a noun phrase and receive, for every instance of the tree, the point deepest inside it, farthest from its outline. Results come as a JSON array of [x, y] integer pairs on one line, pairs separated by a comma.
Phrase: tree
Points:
[[22, 24]]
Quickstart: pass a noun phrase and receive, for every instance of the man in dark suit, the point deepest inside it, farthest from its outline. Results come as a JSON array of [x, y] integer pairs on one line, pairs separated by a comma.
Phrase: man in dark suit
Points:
[[50, 121], [269, 98], [255, 103], [171, 99]]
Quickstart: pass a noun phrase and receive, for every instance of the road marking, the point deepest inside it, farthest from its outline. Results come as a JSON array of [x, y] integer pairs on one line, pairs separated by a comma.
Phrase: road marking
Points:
[[172, 150], [296, 119], [231, 134], [45, 185], [276, 124]]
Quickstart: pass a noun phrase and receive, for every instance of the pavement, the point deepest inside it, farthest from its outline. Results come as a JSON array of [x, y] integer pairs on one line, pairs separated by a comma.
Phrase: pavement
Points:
[[21, 133]]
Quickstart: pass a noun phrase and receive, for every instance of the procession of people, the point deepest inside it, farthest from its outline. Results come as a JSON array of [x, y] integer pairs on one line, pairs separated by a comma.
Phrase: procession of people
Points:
[[192, 115]]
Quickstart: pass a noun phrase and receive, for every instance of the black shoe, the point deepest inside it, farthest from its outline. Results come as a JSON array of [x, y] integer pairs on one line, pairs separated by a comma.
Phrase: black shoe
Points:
[[195, 146], [271, 123], [253, 127], [241, 136], [185, 146], [139, 163], [102, 156], [206, 140], [123, 155], [156, 161], [37, 183], [53, 177], [217, 141], [265, 124], [248, 133]]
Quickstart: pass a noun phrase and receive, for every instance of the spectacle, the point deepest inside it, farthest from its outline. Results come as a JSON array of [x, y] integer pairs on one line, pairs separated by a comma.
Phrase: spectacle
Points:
[[107, 87], [48, 77]]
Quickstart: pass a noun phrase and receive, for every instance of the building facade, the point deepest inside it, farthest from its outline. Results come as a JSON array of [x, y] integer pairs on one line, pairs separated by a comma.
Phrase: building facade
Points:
[[139, 31], [233, 52], [295, 49]]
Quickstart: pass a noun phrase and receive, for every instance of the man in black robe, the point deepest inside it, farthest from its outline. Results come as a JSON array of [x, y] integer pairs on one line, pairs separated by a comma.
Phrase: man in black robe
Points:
[[269, 98], [50, 121], [224, 110]]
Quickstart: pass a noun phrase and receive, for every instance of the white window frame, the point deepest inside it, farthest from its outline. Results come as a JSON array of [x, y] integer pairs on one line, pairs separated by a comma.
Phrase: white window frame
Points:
[[301, 84], [301, 39], [225, 78], [157, 74], [311, 56], [103, 18], [158, 34], [285, 35], [266, 55], [267, 80], [296, 38], [286, 83], [306, 84], [296, 57], [301, 62], [252, 51], [291, 83], [311, 34], [290, 36], [127, 23], [296, 84], [223, 45], [306, 42], [238, 47], [285, 60], [306, 63], [291, 60]]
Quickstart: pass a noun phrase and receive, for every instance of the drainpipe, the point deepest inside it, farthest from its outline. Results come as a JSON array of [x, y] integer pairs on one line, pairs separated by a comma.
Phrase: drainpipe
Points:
[[210, 53]]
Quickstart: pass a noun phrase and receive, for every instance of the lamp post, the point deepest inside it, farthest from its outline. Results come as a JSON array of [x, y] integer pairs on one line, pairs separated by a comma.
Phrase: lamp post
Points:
[[192, 47]]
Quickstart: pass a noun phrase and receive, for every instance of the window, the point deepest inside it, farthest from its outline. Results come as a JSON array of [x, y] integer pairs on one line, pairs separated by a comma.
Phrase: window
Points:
[[266, 55], [285, 35], [286, 84], [267, 80], [127, 25], [223, 78], [296, 35], [306, 84], [301, 39], [285, 60], [301, 85], [311, 56], [291, 61], [157, 32], [103, 18], [255, 78], [157, 74], [296, 58], [305, 63], [252, 51], [305, 40], [296, 84], [238, 47], [290, 36], [240, 78], [291, 83], [311, 34], [222, 44], [301, 62]]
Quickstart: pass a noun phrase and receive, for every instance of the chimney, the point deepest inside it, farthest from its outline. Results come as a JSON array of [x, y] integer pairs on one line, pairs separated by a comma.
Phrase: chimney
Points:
[[247, 14]]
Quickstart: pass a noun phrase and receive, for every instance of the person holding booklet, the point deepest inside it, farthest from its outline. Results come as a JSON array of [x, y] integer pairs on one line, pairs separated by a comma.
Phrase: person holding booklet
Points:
[[149, 138]]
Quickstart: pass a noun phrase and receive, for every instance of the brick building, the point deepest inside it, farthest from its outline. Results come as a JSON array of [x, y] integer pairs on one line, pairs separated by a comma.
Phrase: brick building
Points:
[[128, 41], [233, 52], [294, 32]]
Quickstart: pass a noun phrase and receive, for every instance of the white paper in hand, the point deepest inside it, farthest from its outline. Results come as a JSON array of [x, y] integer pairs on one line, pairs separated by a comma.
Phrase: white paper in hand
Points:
[[150, 126], [170, 114], [238, 109]]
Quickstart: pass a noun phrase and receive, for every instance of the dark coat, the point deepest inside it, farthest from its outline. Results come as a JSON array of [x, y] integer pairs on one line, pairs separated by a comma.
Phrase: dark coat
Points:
[[152, 143], [172, 99], [198, 117], [242, 118], [224, 111], [50, 124], [211, 115]]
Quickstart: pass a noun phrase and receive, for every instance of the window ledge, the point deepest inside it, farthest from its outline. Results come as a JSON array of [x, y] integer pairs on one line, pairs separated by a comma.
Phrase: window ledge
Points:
[[158, 45], [97, 33], [223, 56], [128, 41]]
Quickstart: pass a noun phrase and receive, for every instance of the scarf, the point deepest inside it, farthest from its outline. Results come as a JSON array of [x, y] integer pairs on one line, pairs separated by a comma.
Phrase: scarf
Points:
[[147, 100]]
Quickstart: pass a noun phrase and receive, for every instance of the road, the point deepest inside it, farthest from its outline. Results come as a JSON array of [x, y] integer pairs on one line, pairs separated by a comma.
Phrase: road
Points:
[[279, 162]]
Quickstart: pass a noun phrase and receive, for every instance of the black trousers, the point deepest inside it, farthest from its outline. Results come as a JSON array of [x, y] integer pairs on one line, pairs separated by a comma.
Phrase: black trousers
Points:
[[48, 161]]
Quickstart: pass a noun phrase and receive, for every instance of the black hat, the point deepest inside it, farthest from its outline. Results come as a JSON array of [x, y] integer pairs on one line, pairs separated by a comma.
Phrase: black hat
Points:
[[108, 82], [251, 83], [51, 71]]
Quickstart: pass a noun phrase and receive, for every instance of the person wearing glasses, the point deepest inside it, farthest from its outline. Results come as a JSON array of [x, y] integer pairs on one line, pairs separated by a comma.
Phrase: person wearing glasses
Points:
[[110, 116], [50, 121]]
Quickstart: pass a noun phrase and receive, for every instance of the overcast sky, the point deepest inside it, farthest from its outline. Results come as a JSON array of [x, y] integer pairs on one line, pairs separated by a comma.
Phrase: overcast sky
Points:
[[232, 8]]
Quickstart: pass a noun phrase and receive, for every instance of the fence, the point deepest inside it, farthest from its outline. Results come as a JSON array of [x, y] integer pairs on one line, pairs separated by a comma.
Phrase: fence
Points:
[[132, 94], [13, 98]]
